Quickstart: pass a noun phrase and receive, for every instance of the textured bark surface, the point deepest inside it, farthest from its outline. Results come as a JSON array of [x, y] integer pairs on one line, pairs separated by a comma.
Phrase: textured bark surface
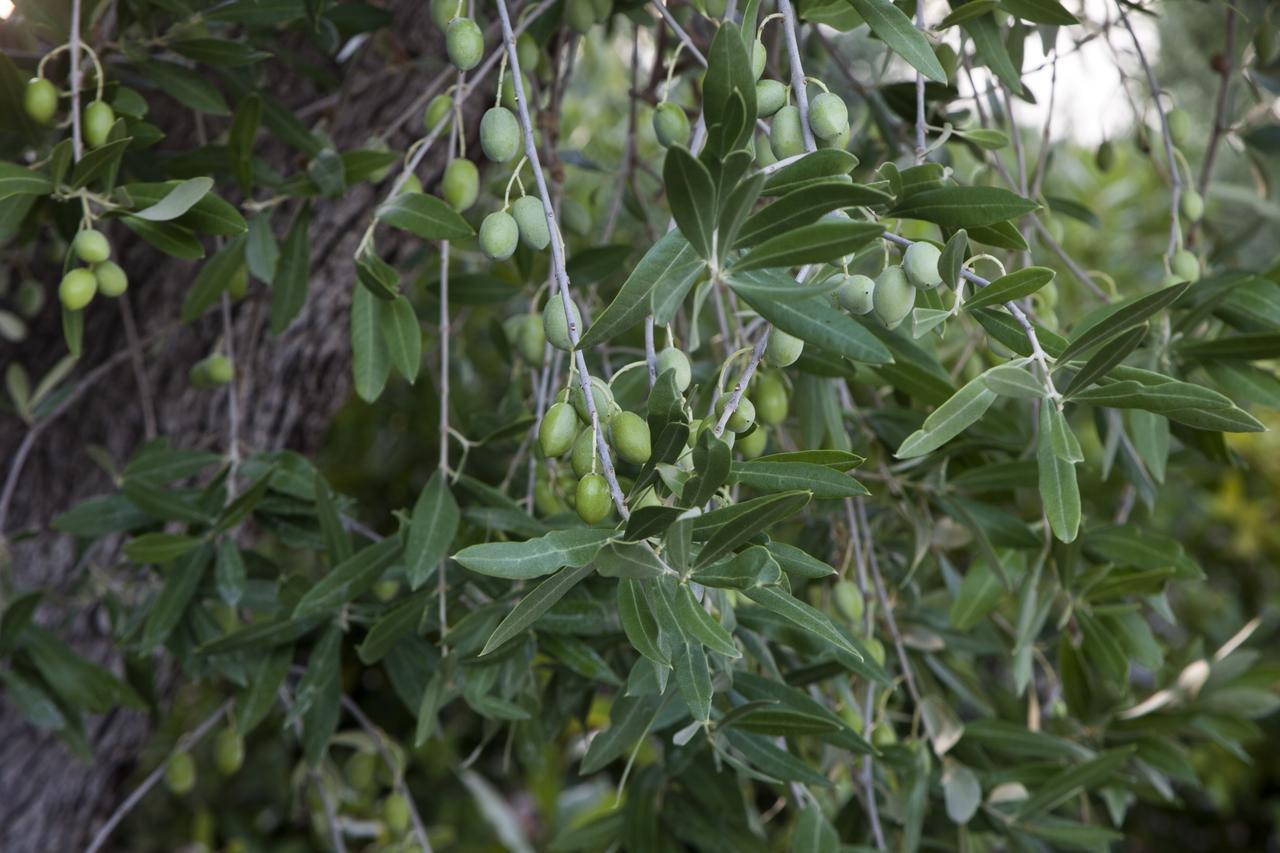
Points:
[[288, 386]]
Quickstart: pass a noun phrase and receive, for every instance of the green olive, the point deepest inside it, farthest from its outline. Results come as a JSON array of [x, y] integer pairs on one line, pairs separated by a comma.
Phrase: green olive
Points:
[[40, 100], [386, 591], [771, 95], [1179, 126], [581, 15], [219, 369], [1185, 265], [876, 648], [527, 51], [77, 288], [857, 294], [920, 263], [531, 219], [395, 813], [1192, 205], [98, 119], [180, 773], [752, 444], [591, 499], [499, 236], [545, 499], [673, 359], [1105, 156], [758, 56], [770, 397], [849, 601], [601, 396], [499, 134], [91, 246], [509, 90], [630, 437], [828, 116], [743, 416], [464, 43], [438, 110], [649, 497], [840, 140], [894, 297], [111, 279], [228, 751], [412, 184], [783, 349], [670, 125], [785, 137], [585, 457], [460, 184], [444, 11], [530, 339], [556, 325], [238, 286], [763, 150], [556, 432], [360, 770], [883, 735]]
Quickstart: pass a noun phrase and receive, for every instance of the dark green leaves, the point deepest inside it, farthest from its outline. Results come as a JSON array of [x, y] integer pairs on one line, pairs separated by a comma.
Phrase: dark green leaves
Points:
[[289, 288], [535, 557], [349, 579], [1015, 285], [809, 244], [949, 420], [728, 78], [426, 216], [533, 605], [1056, 455], [1118, 319], [669, 267], [803, 206], [432, 527], [784, 476], [692, 195], [18, 180], [963, 207], [750, 518], [894, 28]]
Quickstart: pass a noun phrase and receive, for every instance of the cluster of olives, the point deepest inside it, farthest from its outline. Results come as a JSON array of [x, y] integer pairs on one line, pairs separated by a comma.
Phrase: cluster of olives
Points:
[[228, 757], [102, 275], [40, 100], [892, 294]]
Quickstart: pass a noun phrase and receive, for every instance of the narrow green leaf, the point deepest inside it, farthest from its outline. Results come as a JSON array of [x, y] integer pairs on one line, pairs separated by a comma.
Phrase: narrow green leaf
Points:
[[179, 588], [701, 625], [785, 476], [349, 579], [963, 207], [178, 201], [432, 527], [803, 616], [1119, 319], [370, 361], [693, 679], [894, 28], [817, 243], [289, 287], [403, 336], [803, 206], [535, 557], [536, 603], [1015, 285], [426, 216], [638, 622], [671, 263], [1058, 489], [751, 518], [692, 196], [950, 419], [1074, 780], [814, 320]]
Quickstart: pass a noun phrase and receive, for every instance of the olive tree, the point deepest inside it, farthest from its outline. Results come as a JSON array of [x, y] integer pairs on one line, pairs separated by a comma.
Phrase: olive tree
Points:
[[781, 474]]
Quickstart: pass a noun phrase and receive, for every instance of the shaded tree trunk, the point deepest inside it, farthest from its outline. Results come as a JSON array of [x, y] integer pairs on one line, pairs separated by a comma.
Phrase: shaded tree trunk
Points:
[[288, 387]]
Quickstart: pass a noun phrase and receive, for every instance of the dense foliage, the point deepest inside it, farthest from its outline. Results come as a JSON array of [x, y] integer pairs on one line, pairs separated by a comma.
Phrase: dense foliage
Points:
[[743, 460]]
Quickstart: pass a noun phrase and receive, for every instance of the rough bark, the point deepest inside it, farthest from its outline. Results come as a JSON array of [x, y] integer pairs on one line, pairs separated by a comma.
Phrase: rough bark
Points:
[[289, 387]]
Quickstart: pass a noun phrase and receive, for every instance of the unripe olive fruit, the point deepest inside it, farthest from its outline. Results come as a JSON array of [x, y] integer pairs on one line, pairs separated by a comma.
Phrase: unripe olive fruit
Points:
[[840, 140], [696, 428], [77, 288], [828, 116], [883, 735], [98, 118], [556, 327], [530, 340], [218, 369], [531, 220], [771, 95], [849, 601], [527, 51], [920, 263], [785, 137], [782, 349], [180, 773], [395, 813], [438, 109], [743, 416], [238, 286], [601, 396], [40, 100], [412, 184], [894, 297], [763, 150], [1192, 205], [581, 15], [670, 125], [499, 134], [386, 590], [360, 770], [509, 90], [591, 498], [752, 444], [1185, 265], [444, 11], [228, 751], [585, 458], [499, 236], [857, 294], [556, 432], [1105, 157], [649, 497], [1179, 126], [770, 397], [674, 359], [875, 648], [111, 279], [946, 55], [630, 437], [460, 184], [465, 43], [545, 499], [91, 246], [758, 56]]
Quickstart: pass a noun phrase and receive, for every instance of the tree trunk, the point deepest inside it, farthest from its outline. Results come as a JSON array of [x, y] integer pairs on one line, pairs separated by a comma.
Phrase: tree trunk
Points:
[[288, 387]]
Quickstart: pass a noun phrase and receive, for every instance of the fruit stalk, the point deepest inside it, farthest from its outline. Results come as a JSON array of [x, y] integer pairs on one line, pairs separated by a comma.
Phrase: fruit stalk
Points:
[[735, 398], [560, 277]]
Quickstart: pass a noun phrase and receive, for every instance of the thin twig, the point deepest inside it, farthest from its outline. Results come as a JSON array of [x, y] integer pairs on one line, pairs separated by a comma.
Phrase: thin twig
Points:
[[798, 84], [444, 357], [73, 43], [735, 398], [921, 147], [560, 277], [883, 597], [185, 743], [650, 354], [1221, 111], [233, 408], [868, 705]]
